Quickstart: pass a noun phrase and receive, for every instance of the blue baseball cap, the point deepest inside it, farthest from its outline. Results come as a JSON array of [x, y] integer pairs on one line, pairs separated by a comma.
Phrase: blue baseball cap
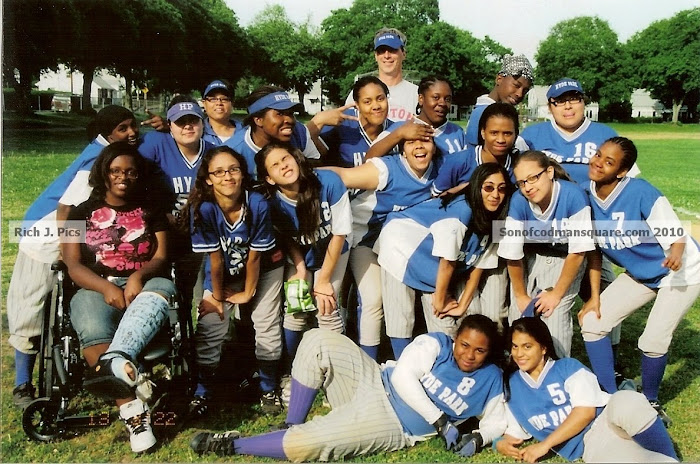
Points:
[[562, 86], [217, 85], [276, 101], [179, 110], [388, 39]]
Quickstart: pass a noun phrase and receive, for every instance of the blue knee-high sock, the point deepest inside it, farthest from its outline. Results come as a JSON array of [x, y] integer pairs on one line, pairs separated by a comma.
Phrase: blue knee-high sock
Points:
[[292, 338], [24, 366], [398, 345], [600, 354], [652, 373], [268, 374], [141, 322], [268, 445], [656, 438], [301, 399], [371, 350]]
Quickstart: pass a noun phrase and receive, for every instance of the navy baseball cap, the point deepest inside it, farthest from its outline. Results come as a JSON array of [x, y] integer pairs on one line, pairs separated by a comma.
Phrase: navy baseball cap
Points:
[[388, 39], [562, 86], [276, 101], [179, 110], [217, 85]]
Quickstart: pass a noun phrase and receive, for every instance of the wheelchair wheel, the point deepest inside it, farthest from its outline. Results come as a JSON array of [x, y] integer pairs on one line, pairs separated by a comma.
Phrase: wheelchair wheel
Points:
[[46, 362], [40, 420]]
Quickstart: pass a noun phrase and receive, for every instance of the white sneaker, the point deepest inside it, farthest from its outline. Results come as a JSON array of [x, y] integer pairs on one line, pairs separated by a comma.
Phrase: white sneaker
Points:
[[137, 418], [285, 389]]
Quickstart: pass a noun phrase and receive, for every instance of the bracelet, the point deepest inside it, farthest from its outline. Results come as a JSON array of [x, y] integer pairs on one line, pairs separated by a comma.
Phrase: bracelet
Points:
[[323, 294], [220, 301], [495, 442]]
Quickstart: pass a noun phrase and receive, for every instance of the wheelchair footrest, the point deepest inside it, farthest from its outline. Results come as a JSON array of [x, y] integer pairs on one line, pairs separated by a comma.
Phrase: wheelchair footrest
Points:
[[108, 387]]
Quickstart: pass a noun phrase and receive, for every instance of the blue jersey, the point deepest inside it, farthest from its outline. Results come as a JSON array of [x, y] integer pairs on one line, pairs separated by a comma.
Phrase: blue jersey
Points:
[[348, 142], [176, 170], [541, 406], [412, 242], [243, 144], [399, 187], [449, 138], [458, 168], [472, 130], [458, 394], [336, 219], [564, 227], [647, 227], [252, 231], [48, 200], [572, 151], [210, 136]]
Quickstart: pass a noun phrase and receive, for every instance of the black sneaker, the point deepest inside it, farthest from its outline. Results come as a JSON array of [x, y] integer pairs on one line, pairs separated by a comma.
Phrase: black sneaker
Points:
[[198, 407], [220, 444], [271, 403], [22, 395], [661, 412]]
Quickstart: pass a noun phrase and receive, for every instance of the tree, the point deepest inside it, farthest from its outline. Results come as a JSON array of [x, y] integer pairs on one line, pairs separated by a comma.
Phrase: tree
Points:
[[588, 50], [666, 57], [26, 26], [348, 36], [292, 56], [440, 48]]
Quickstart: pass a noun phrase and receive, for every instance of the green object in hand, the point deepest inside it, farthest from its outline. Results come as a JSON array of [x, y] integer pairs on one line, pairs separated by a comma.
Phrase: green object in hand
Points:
[[298, 296]]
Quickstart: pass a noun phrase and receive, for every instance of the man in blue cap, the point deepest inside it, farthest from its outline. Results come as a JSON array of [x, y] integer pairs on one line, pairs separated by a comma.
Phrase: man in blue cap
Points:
[[390, 53]]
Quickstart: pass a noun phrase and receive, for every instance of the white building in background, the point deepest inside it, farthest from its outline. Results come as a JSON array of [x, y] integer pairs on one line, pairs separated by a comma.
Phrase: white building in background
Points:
[[106, 89], [643, 106], [312, 100]]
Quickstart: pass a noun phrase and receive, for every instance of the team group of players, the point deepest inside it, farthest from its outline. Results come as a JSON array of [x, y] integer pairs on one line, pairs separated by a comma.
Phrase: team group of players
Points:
[[387, 188]]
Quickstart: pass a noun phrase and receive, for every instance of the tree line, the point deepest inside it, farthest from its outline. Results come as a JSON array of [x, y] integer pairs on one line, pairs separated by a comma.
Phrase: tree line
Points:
[[178, 46]]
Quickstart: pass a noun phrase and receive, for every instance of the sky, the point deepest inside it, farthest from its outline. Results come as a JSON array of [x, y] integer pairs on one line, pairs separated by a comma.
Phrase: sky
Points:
[[517, 24]]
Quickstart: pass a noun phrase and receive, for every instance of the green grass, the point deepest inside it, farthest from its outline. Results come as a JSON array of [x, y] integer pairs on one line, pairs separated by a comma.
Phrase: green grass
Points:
[[32, 159]]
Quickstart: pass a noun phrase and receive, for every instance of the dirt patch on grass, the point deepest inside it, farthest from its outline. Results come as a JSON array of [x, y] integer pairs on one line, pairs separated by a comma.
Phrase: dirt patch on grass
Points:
[[660, 136]]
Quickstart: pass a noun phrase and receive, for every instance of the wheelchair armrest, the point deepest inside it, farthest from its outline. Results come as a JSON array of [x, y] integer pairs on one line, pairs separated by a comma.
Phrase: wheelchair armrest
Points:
[[59, 265]]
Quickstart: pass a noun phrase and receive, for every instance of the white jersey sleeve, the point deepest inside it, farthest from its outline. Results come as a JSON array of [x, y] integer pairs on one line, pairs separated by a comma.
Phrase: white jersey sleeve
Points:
[[511, 246], [310, 150], [583, 389], [383, 178], [341, 216], [513, 428], [493, 422], [448, 235], [416, 361], [662, 217], [581, 227], [78, 190]]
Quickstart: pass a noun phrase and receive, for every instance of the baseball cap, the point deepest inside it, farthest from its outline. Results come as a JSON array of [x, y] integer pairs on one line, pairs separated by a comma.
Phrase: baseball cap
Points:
[[217, 85], [179, 110], [388, 39], [562, 86], [276, 101], [517, 65]]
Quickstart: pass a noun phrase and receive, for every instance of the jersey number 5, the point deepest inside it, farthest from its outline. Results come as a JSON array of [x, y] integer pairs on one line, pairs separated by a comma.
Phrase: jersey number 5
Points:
[[558, 396]]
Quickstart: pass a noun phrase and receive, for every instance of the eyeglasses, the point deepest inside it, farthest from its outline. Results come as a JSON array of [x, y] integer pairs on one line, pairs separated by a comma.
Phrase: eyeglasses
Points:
[[129, 173], [233, 170], [218, 99], [488, 188], [563, 101], [530, 180]]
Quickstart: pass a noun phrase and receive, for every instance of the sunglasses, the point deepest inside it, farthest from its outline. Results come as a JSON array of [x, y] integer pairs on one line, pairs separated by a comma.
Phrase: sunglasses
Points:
[[488, 188]]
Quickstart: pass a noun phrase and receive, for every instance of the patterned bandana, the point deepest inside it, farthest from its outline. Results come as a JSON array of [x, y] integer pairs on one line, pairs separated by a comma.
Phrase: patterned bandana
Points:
[[517, 65]]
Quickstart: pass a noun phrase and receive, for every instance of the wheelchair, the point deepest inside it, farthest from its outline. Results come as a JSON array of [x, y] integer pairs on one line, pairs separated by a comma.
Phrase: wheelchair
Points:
[[165, 370]]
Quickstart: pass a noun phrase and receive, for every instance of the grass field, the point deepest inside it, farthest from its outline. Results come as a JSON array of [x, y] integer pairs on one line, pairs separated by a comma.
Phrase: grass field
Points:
[[32, 158]]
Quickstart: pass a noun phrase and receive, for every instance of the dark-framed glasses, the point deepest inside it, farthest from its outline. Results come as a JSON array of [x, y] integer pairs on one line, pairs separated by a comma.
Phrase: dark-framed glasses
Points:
[[530, 179], [233, 170]]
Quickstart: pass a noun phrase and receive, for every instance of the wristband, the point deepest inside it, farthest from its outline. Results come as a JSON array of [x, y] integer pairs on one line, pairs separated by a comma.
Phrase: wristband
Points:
[[495, 442], [220, 301]]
